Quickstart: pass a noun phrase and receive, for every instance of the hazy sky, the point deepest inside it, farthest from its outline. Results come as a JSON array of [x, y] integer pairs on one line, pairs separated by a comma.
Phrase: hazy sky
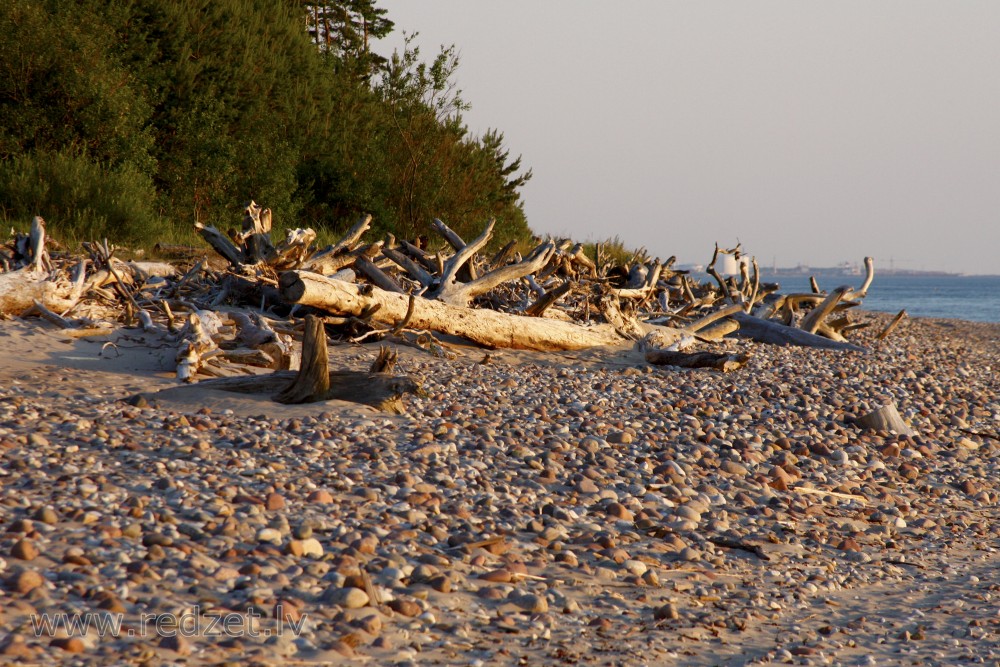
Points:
[[813, 132]]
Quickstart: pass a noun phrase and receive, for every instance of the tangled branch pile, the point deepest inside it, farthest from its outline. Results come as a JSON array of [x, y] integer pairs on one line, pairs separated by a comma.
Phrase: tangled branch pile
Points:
[[226, 319]]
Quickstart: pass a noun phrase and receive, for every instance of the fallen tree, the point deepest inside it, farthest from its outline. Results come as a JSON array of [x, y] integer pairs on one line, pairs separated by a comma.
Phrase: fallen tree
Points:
[[485, 327]]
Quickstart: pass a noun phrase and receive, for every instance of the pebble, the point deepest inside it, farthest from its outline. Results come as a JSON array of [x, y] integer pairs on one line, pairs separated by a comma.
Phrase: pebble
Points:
[[531, 602], [24, 549], [548, 514], [348, 598]]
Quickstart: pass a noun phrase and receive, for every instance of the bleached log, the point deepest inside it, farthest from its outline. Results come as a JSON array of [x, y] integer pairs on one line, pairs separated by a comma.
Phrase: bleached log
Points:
[[719, 330], [377, 276], [775, 333], [486, 327], [646, 285], [146, 270], [330, 259], [457, 293], [815, 318], [21, 288], [711, 318], [462, 257]]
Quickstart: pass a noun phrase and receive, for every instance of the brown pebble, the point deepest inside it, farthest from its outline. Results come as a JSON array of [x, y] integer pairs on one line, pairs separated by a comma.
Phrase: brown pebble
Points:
[[14, 646], [849, 544], [969, 487], [25, 581], [69, 644], [320, 496], [666, 612], [371, 623], [501, 575], [275, 501], [24, 549], [490, 593], [619, 511], [405, 607]]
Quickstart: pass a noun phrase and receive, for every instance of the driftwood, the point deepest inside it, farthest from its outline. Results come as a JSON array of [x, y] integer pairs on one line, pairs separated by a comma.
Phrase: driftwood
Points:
[[885, 418], [892, 325], [775, 333], [552, 298], [314, 382], [719, 361], [486, 327]]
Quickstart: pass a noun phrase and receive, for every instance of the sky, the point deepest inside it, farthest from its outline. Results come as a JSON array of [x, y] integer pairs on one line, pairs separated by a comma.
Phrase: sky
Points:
[[809, 132]]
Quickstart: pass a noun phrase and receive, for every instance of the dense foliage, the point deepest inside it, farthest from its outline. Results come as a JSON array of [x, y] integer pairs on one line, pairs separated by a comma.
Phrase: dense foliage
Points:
[[135, 118]]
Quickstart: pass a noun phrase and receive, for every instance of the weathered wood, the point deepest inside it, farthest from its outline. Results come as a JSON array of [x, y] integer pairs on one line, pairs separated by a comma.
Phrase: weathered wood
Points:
[[892, 325], [712, 318], [220, 243], [21, 288], [39, 256], [543, 302], [312, 381], [775, 333], [815, 318], [719, 361], [256, 236], [377, 276], [486, 327], [885, 418]]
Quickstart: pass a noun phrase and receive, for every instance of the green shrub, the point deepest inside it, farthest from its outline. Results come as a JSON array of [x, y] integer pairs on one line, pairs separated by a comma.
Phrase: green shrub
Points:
[[81, 200]]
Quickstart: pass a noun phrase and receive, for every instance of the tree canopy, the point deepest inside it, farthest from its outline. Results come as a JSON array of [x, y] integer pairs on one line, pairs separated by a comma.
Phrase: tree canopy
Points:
[[136, 118]]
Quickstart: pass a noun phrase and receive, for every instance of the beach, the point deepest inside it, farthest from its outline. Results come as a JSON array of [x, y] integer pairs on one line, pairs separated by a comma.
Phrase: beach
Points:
[[530, 508]]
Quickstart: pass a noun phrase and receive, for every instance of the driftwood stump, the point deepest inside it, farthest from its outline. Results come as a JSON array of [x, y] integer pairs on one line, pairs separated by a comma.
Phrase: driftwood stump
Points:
[[885, 418], [314, 382]]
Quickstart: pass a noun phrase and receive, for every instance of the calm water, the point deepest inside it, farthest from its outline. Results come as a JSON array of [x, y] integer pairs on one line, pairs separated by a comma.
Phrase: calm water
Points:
[[957, 297]]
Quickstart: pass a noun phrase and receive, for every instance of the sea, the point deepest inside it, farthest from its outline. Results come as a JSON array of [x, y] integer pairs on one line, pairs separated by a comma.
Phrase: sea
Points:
[[975, 298], [950, 296]]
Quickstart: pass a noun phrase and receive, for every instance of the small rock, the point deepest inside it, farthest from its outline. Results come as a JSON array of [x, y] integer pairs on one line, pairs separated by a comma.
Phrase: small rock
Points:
[[320, 496], [177, 643], [348, 598], [968, 487], [405, 607], [270, 535], [619, 511], [47, 515], [69, 644], [275, 501], [666, 612], [24, 549], [25, 581], [15, 647], [689, 554], [371, 623], [620, 438], [531, 603]]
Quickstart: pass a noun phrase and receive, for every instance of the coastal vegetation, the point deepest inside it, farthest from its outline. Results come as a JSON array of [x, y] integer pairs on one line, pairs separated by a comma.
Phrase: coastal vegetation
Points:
[[134, 119]]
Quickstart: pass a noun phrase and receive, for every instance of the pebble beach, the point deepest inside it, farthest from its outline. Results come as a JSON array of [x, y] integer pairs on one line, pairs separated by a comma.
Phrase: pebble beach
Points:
[[574, 508]]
